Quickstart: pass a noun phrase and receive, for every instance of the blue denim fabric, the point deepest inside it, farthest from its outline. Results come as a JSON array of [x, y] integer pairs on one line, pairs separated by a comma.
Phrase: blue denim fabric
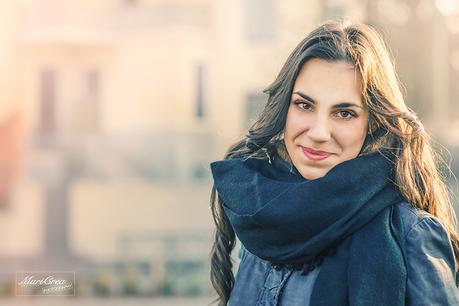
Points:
[[431, 278]]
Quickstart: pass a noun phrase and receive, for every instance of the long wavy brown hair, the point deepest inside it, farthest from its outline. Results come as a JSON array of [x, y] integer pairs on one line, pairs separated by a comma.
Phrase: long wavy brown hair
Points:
[[417, 166]]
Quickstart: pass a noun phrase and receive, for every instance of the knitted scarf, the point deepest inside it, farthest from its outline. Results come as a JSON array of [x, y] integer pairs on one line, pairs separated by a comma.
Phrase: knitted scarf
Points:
[[345, 221]]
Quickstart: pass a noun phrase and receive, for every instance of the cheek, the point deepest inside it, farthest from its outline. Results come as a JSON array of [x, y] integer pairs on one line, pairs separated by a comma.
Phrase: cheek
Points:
[[293, 124], [351, 136]]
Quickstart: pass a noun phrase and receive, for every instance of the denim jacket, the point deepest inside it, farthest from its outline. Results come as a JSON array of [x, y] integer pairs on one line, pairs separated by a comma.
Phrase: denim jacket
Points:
[[430, 268]]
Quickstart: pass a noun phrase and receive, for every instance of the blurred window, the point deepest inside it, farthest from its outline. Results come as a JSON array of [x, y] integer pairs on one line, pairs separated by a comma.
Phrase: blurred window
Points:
[[48, 86], [199, 91], [92, 85], [261, 20], [254, 103], [91, 97]]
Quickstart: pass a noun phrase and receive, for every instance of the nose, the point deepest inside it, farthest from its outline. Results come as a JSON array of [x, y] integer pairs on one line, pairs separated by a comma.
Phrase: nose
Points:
[[319, 129]]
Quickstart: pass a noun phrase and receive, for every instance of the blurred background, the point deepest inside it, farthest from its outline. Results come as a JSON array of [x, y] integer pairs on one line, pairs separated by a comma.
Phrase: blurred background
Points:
[[112, 110]]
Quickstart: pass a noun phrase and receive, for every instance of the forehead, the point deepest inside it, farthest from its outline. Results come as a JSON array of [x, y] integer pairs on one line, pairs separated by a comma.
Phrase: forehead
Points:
[[329, 81]]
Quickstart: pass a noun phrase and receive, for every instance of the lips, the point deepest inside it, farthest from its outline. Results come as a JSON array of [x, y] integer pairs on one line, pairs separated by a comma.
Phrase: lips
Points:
[[314, 154]]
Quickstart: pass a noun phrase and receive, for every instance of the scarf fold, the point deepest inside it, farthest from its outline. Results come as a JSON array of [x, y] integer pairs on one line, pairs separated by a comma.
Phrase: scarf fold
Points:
[[281, 217]]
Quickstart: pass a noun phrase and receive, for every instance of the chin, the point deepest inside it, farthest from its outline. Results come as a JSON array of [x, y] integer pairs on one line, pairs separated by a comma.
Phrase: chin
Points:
[[312, 174]]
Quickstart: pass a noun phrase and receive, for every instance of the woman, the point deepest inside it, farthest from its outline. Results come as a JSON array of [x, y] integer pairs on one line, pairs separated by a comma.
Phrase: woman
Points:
[[334, 194]]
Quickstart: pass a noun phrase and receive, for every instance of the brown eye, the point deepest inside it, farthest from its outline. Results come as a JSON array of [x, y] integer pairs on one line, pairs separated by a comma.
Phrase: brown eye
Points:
[[303, 105]]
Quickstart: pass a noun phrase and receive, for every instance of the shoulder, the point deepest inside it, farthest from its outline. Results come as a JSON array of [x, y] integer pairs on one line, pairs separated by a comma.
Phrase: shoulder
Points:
[[430, 258], [415, 218], [427, 241], [425, 236], [421, 227]]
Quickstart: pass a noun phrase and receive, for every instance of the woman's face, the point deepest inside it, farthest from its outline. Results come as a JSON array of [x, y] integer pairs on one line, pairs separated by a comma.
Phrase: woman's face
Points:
[[326, 114]]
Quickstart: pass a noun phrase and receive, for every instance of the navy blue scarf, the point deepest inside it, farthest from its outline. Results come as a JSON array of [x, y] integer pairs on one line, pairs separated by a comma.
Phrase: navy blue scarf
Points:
[[345, 221]]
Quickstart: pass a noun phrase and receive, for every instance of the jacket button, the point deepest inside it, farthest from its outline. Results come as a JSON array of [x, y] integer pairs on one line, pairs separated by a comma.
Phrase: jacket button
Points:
[[277, 266]]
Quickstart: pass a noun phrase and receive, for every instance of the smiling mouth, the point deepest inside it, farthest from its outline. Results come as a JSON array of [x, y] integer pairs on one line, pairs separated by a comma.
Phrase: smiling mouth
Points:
[[315, 155]]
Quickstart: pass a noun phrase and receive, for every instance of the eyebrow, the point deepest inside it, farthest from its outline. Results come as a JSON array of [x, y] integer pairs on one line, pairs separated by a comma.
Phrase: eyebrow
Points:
[[344, 104]]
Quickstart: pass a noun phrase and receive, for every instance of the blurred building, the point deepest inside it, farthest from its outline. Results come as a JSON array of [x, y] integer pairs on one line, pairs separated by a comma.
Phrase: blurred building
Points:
[[127, 102]]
